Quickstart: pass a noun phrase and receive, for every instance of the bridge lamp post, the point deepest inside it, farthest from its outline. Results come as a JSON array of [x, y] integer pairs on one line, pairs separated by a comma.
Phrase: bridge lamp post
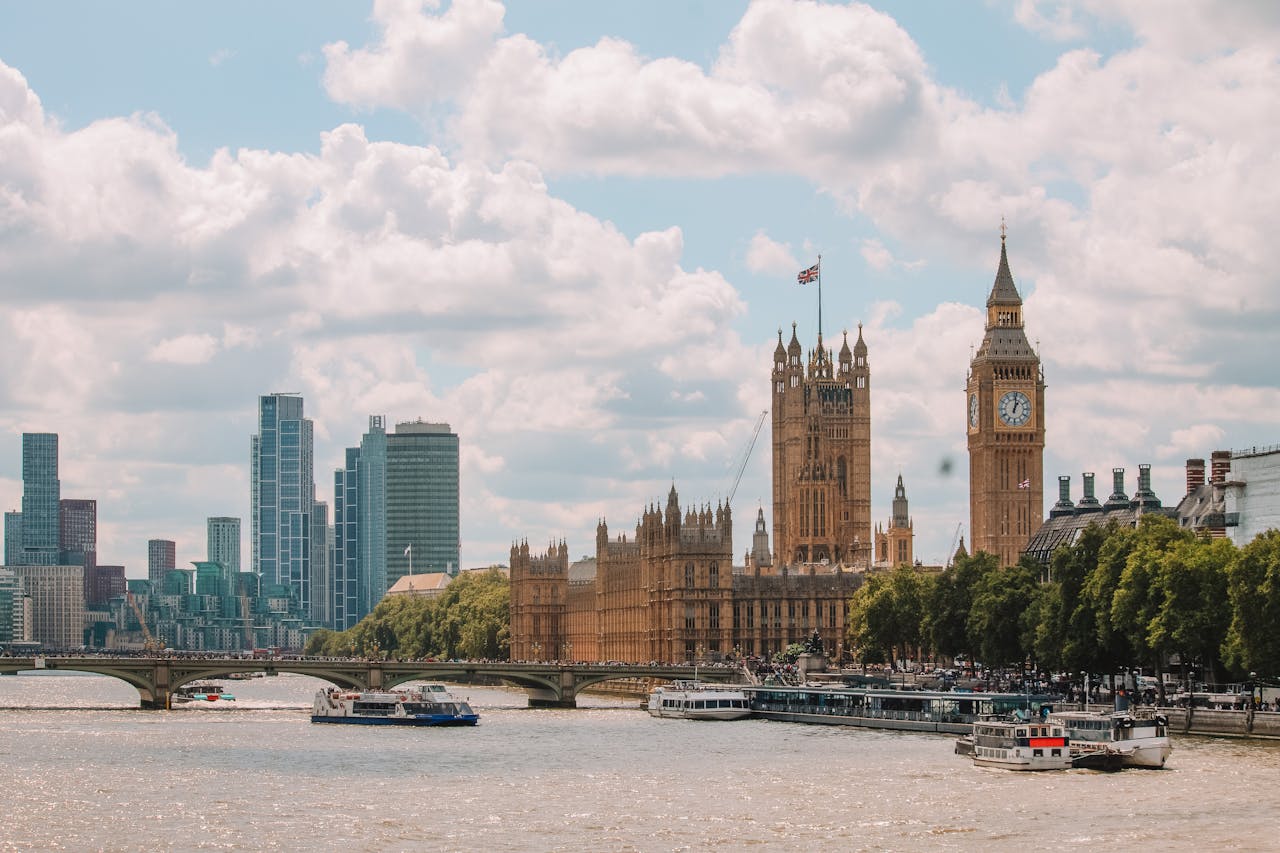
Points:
[[537, 651]]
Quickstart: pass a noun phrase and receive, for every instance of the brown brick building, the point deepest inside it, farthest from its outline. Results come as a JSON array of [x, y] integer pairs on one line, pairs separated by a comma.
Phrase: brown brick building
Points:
[[1006, 422], [670, 594], [822, 454]]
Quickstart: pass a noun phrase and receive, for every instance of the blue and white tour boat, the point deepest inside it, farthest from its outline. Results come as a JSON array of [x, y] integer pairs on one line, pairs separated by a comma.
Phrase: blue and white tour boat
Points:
[[423, 705]]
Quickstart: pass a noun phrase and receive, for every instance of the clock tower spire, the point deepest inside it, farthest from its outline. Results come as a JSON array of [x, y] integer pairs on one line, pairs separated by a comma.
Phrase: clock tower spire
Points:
[[1005, 396]]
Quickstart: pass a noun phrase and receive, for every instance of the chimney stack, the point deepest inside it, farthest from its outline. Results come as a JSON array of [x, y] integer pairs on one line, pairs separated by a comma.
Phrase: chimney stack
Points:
[[1219, 465], [1088, 503], [1118, 499], [1195, 474], [1064, 505]]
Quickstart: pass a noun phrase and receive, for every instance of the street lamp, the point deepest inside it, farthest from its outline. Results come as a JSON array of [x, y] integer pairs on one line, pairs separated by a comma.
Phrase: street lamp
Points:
[[537, 651]]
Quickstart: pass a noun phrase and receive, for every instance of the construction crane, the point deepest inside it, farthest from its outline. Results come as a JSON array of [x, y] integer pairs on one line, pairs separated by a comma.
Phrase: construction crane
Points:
[[951, 555], [746, 457], [148, 642]]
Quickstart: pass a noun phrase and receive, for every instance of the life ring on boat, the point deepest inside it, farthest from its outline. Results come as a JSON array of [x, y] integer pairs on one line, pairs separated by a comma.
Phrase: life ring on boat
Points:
[[1127, 723], [1162, 720]]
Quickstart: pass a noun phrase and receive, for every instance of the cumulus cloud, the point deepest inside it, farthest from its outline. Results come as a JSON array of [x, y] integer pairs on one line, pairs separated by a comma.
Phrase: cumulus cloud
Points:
[[768, 256], [138, 283]]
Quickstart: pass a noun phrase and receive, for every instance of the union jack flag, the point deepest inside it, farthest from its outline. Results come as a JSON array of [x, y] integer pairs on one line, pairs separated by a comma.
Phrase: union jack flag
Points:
[[811, 274], [1025, 484]]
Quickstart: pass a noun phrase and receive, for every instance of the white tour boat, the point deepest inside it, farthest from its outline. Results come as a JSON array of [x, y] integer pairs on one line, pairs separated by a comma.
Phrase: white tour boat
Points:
[[1110, 741], [694, 700], [1020, 745], [425, 705], [200, 691]]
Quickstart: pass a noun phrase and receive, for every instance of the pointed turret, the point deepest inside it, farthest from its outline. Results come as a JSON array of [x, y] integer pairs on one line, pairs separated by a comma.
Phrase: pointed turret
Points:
[[900, 514], [779, 353], [860, 348], [1003, 291]]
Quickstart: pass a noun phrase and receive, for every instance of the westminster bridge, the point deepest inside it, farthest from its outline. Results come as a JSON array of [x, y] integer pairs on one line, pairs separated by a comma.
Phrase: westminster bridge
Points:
[[552, 685]]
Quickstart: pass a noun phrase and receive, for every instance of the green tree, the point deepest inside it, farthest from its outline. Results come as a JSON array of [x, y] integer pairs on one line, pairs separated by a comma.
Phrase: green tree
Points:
[[950, 603], [1253, 590], [1001, 620], [1194, 612], [1138, 598]]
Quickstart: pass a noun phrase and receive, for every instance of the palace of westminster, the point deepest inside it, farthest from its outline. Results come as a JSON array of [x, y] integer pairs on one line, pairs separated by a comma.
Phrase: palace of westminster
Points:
[[670, 591]]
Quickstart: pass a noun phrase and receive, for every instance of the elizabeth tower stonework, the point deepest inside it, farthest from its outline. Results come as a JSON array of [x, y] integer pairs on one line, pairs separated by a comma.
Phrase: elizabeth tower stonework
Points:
[[1005, 411]]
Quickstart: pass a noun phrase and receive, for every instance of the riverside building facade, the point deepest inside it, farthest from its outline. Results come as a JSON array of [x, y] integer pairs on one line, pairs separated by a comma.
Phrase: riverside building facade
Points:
[[670, 593]]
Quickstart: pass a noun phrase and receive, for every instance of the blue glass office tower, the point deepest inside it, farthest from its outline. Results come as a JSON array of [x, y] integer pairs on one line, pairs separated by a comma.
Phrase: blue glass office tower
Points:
[[359, 522], [41, 491], [282, 495]]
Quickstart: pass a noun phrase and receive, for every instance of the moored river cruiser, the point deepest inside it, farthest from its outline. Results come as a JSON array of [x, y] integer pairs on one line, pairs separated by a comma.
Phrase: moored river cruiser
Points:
[[694, 700], [426, 705], [952, 712], [1115, 740]]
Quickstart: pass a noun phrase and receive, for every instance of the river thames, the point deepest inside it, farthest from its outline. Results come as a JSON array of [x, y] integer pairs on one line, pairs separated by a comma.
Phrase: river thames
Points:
[[82, 769]]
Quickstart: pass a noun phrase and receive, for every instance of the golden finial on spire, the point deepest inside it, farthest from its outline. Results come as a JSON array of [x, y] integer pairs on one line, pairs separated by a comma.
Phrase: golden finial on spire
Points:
[[1003, 229]]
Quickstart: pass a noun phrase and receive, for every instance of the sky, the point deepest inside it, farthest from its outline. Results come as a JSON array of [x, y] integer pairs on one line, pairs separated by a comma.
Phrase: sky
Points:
[[571, 230]]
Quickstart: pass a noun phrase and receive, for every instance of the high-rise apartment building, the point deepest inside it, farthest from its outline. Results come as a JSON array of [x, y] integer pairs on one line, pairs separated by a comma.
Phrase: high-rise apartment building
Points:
[[321, 572], [162, 557], [11, 607], [360, 531], [1006, 419], [223, 542], [12, 538], [282, 495], [422, 500], [41, 492], [57, 610], [78, 532]]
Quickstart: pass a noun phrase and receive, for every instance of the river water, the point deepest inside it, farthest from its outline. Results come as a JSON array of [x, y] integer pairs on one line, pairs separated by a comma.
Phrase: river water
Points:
[[82, 769]]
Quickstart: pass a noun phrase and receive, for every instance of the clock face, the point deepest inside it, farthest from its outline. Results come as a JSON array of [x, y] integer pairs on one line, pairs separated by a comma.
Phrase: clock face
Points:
[[1015, 408], [973, 410]]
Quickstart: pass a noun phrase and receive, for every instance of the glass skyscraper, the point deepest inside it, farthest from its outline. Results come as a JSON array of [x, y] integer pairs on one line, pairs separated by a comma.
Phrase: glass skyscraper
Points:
[[359, 520], [41, 491], [13, 538], [282, 495], [422, 500]]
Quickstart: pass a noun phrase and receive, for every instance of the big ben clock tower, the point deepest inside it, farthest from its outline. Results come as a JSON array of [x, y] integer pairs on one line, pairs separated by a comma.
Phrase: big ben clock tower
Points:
[[1005, 417]]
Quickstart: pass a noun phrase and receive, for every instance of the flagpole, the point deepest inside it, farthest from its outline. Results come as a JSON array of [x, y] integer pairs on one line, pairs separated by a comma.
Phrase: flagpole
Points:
[[819, 297]]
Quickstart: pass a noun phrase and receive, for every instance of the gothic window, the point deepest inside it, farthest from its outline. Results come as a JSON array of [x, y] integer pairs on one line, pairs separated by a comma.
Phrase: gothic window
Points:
[[795, 380], [862, 361], [713, 576], [737, 615], [777, 614], [862, 382], [804, 615], [751, 614], [688, 575], [831, 615], [780, 386], [690, 617], [713, 615]]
